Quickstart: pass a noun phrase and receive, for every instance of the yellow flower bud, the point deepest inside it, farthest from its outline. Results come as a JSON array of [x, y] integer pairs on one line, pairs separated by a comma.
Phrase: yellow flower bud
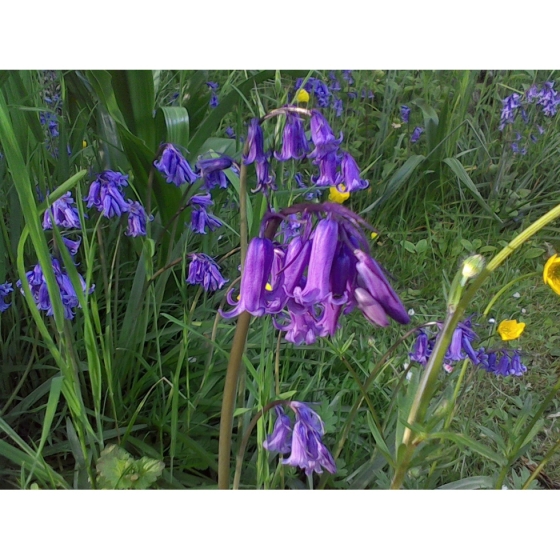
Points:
[[510, 329], [551, 273], [84, 144], [338, 194], [302, 96]]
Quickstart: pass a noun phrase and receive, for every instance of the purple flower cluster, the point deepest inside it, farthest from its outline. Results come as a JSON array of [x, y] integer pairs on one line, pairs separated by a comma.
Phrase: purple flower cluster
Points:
[[213, 94], [38, 286], [200, 218], [544, 97], [316, 87], [175, 167], [203, 271], [304, 442], [64, 213], [322, 272], [5, 289], [461, 347], [335, 166], [106, 195]]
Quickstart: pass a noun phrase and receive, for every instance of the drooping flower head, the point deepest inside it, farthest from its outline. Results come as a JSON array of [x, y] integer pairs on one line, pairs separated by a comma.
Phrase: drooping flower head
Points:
[[175, 167], [137, 219], [203, 271], [322, 273], [304, 442], [67, 293], [294, 141], [351, 173], [255, 139], [212, 171], [405, 113], [5, 289], [308, 450], [106, 194], [415, 136], [64, 213]]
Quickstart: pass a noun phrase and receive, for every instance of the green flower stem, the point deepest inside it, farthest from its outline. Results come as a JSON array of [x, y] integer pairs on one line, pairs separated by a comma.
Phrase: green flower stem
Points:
[[504, 289], [433, 367], [245, 440]]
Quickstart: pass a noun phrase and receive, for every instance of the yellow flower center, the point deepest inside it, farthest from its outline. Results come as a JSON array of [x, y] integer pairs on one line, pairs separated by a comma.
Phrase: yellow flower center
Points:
[[551, 273], [510, 329], [268, 288], [302, 96], [338, 194]]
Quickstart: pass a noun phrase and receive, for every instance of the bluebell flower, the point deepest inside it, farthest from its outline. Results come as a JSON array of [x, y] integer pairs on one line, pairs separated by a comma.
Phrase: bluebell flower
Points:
[[214, 101], [307, 449], [265, 178], [322, 135], [280, 440], [175, 167], [255, 139], [351, 174], [533, 93], [294, 141], [422, 349], [230, 133], [213, 85], [549, 100], [72, 246], [337, 106], [64, 212], [335, 84], [67, 293], [253, 296], [322, 93], [415, 136], [315, 272], [105, 194], [499, 362], [509, 106], [201, 219], [405, 113], [347, 76], [329, 175], [203, 271], [212, 171], [137, 219], [5, 289], [317, 287]]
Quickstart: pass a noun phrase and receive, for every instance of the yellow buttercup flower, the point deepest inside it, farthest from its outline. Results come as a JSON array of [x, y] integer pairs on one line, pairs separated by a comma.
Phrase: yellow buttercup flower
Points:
[[510, 329], [84, 144], [335, 195], [374, 235], [551, 273], [302, 96]]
